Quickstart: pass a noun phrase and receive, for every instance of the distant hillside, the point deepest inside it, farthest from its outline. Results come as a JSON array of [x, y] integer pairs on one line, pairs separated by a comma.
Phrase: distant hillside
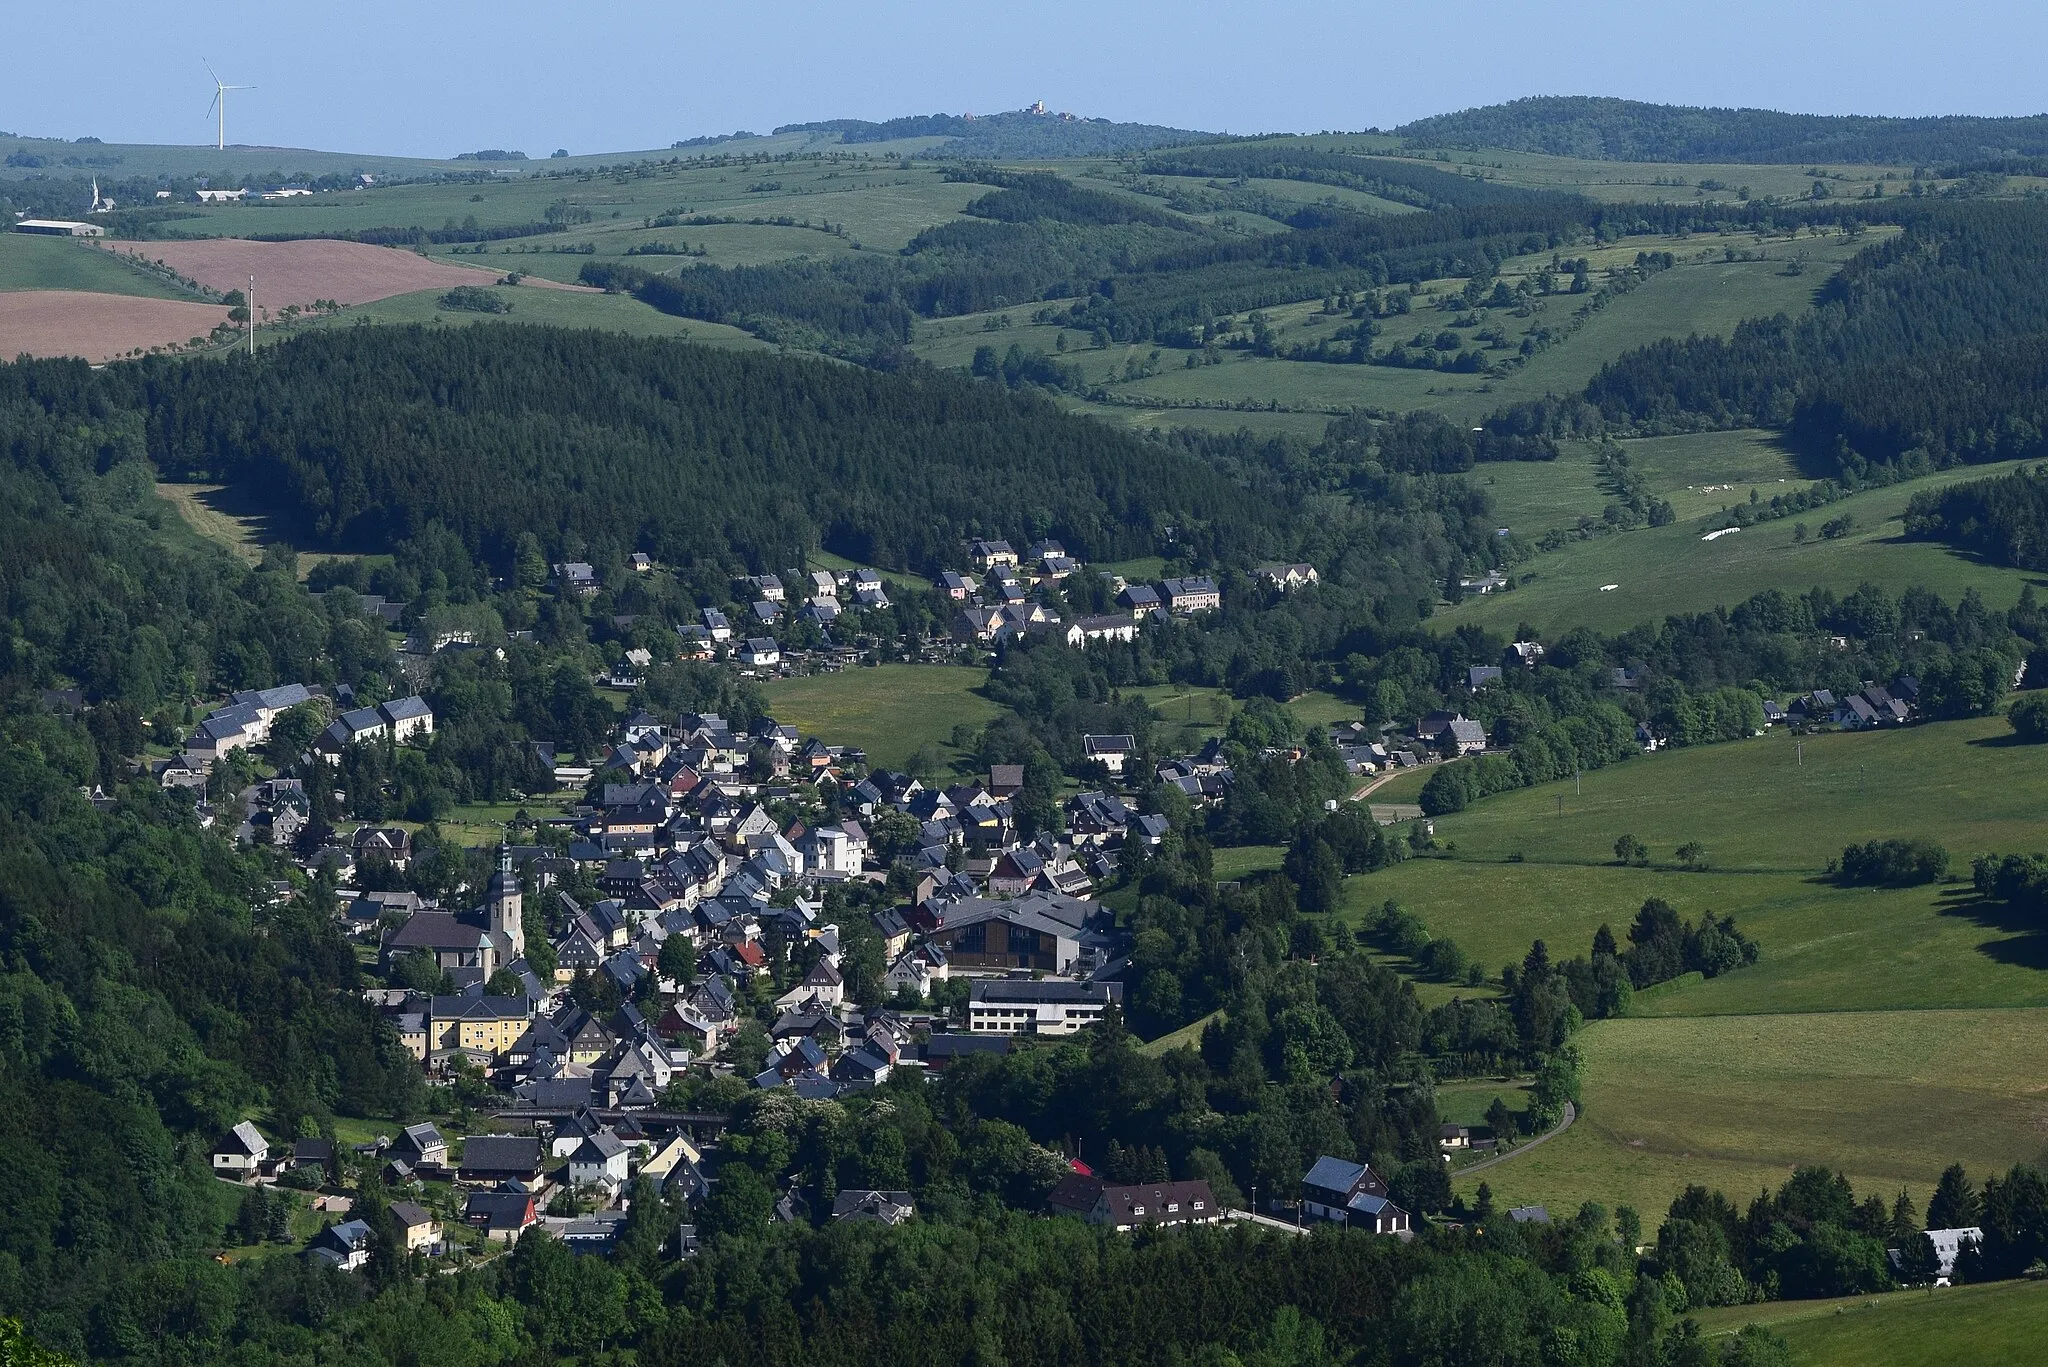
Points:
[[1627, 130], [1019, 133]]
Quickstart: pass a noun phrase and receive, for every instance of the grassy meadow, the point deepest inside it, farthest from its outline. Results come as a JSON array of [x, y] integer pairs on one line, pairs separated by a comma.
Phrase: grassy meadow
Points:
[[551, 307]]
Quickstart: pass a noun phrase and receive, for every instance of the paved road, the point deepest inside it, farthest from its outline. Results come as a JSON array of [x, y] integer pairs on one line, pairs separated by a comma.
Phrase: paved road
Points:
[[1285, 1226], [1571, 1113]]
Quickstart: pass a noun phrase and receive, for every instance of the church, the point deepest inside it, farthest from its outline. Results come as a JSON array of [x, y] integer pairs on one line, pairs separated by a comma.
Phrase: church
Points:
[[482, 941]]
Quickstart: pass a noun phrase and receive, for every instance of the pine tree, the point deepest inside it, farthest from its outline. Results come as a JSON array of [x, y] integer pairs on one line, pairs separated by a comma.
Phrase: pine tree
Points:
[[1955, 1204]]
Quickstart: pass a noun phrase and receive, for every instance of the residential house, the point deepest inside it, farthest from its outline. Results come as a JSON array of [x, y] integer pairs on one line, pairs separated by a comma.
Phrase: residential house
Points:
[[1287, 577], [500, 1158], [241, 1152], [1043, 1006], [1115, 626], [768, 588], [987, 555], [716, 625], [345, 1246], [1463, 736], [407, 717], [599, 1161], [577, 577], [476, 1024], [1141, 599], [416, 1226], [955, 586], [1149, 1204], [1479, 676], [1339, 1190], [502, 1214], [855, 1205], [760, 652], [421, 1146], [1525, 654]]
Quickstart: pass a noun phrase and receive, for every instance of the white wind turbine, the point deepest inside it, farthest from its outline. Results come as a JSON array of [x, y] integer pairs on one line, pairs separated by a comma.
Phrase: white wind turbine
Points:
[[220, 102]]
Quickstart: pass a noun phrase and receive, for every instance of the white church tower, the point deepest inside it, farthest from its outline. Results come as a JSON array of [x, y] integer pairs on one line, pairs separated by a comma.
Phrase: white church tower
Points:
[[506, 907]]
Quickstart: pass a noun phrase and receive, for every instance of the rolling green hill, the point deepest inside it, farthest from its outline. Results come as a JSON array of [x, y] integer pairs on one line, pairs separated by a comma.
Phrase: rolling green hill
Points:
[[1629, 130]]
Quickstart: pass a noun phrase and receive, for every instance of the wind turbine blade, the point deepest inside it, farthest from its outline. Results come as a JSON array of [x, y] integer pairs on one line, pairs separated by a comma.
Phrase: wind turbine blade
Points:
[[210, 107], [209, 70]]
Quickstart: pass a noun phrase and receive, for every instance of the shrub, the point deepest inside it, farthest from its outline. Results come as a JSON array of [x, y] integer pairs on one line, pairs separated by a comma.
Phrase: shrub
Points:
[[475, 299], [2029, 718]]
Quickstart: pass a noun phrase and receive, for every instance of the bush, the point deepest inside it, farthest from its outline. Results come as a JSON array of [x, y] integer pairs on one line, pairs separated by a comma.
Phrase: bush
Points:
[[1893, 863], [2028, 718]]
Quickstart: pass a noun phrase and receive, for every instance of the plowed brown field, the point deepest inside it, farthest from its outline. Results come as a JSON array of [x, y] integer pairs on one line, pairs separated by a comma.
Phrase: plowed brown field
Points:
[[98, 327], [301, 272]]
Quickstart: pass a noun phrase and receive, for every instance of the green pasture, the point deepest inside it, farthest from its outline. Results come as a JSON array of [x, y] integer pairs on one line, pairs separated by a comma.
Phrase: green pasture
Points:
[[31, 262], [890, 711], [1998, 1324], [1670, 569], [1152, 417], [1737, 1102]]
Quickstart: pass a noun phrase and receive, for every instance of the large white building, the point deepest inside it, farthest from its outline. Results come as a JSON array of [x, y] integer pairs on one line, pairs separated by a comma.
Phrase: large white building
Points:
[[1043, 1006]]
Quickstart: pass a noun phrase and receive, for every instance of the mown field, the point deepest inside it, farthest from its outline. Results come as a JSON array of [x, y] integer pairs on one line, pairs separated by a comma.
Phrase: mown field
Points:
[[1737, 1102], [2001, 1324], [891, 711]]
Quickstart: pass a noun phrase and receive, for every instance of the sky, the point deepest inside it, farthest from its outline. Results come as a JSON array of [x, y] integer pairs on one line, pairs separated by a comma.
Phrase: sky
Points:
[[436, 77]]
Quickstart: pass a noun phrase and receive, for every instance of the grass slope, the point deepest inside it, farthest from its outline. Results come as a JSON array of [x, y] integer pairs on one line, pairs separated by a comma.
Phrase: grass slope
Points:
[[1737, 1102], [1670, 569], [1997, 1325], [558, 308]]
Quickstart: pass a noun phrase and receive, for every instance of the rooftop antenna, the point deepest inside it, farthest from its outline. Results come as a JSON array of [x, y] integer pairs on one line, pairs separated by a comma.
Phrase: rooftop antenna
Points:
[[220, 104]]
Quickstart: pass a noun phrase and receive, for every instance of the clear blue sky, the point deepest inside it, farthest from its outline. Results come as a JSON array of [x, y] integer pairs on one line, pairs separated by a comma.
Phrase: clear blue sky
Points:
[[434, 77]]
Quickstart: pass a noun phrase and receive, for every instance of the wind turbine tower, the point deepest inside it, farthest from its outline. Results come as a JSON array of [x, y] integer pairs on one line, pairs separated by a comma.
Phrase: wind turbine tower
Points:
[[220, 104]]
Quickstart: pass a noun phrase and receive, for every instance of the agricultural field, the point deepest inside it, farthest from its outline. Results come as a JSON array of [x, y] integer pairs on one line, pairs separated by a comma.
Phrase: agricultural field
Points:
[[1993, 1325], [100, 327], [1655, 571], [299, 273], [891, 711]]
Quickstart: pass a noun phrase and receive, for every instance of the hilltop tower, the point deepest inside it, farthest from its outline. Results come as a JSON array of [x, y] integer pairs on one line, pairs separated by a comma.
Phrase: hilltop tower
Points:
[[506, 907]]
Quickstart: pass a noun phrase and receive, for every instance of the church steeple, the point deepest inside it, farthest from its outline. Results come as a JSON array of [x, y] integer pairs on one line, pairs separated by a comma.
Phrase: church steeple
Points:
[[506, 906]]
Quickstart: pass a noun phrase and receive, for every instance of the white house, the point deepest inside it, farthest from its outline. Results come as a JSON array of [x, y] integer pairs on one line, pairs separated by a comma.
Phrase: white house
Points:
[[599, 1161], [241, 1151], [407, 717]]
